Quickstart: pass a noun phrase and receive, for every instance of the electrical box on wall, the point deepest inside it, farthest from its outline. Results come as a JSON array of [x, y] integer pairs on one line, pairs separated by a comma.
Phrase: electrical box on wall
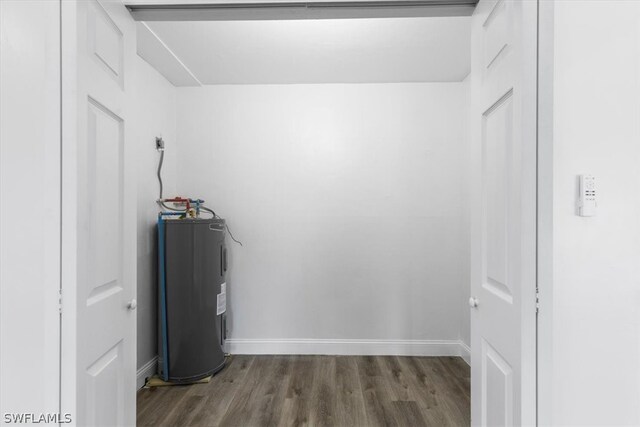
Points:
[[587, 199]]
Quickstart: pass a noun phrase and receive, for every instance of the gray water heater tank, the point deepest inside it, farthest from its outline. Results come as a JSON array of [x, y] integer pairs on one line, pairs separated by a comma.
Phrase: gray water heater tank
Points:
[[192, 298]]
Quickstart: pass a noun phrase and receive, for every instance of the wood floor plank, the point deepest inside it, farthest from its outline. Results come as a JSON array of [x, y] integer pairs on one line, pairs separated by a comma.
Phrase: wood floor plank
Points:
[[297, 404], [271, 393], [184, 411], [244, 403], [316, 391], [368, 365], [376, 393], [396, 377], [323, 396], [167, 400], [145, 399], [458, 368], [426, 392], [220, 391], [453, 404], [152, 401], [350, 409], [451, 384], [409, 413]]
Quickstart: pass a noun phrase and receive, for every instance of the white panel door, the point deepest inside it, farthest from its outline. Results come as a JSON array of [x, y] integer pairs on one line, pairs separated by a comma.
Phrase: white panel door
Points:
[[503, 289], [99, 265]]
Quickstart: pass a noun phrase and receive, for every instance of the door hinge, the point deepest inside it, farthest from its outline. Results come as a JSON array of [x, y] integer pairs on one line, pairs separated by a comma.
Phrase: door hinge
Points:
[[60, 301], [537, 302]]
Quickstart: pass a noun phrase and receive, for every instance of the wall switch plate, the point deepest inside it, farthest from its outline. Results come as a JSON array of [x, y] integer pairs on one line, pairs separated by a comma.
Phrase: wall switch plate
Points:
[[588, 197]]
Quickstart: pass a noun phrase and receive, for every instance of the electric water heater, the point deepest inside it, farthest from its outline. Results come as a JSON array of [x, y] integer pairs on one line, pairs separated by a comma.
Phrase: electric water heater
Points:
[[192, 261]]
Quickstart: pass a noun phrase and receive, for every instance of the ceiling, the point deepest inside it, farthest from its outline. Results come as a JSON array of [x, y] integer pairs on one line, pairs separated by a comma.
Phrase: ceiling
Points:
[[193, 53]]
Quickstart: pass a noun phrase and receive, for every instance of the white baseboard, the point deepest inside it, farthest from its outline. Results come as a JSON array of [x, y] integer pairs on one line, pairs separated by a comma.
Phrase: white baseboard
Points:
[[147, 370], [465, 352], [348, 347]]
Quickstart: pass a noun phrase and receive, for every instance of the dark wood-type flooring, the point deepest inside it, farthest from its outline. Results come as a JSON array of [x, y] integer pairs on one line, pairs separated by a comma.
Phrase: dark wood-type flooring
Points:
[[318, 390]]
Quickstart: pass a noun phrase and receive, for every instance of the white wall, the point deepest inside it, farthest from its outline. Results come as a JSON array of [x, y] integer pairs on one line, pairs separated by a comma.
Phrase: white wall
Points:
[[349, 202], [595, 354], [155, 116], [30, 207]]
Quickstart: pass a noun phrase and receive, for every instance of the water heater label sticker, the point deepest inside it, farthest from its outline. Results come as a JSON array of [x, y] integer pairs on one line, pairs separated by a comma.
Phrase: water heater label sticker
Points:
[[222, 300]]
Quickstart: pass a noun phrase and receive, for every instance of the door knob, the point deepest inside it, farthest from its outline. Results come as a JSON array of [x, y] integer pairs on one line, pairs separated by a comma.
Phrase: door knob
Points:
[[473, 302], [132, 304]]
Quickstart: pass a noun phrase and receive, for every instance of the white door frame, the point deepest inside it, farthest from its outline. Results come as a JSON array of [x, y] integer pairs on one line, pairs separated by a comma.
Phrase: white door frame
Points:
[[544, 253], [544, 337], [69, 285]]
